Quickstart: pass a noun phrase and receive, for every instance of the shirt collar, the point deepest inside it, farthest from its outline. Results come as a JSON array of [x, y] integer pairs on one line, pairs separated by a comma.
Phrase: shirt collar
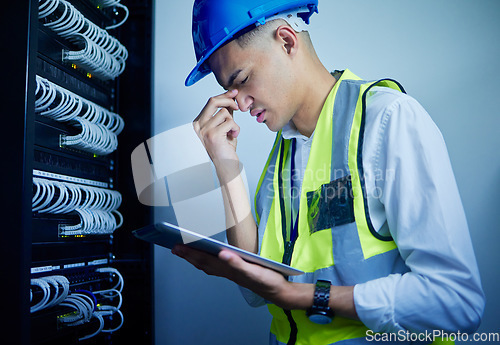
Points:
[[289, 131]]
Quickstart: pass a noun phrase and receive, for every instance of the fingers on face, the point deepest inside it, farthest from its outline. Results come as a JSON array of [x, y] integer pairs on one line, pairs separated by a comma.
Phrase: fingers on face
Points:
[[225, 100], [218, 126], [231, 128]]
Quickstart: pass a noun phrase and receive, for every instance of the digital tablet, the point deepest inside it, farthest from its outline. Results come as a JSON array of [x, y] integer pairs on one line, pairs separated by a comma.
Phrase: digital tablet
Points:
[[168, 235]]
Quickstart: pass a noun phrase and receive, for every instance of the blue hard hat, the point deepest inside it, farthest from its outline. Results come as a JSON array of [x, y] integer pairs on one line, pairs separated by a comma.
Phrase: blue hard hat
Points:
[[217, 21]]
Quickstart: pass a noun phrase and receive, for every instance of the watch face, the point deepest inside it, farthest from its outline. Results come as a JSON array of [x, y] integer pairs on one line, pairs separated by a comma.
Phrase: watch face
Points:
[[320, 319]]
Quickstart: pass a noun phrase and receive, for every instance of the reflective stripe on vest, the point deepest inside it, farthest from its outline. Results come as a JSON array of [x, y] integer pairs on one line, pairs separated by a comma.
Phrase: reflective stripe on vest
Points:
[[347, 254]]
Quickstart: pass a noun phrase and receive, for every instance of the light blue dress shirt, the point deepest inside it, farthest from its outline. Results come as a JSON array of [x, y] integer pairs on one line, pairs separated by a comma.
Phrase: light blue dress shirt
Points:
[[413, 196]]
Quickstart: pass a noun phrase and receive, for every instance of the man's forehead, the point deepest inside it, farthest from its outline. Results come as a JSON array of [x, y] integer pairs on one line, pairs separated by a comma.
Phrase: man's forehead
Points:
[[226, 63]]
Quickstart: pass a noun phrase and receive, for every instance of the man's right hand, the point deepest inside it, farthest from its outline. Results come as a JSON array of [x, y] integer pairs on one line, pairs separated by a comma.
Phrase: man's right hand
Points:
[[216, 128], [217, 131]]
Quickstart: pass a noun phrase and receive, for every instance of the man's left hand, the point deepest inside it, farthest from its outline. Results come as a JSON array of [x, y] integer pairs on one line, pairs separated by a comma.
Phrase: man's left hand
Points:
[[265, 282]]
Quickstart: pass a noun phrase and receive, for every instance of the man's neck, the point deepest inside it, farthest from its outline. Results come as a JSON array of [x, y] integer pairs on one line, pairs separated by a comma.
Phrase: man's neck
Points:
[[316, 92]]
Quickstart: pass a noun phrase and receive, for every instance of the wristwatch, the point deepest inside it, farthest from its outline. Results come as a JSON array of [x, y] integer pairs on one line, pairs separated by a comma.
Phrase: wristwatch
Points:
[[320, 312]]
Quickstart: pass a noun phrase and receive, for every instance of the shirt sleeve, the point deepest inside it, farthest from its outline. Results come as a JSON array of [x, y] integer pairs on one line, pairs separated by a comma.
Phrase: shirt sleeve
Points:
[[425, 217], [251, 297]]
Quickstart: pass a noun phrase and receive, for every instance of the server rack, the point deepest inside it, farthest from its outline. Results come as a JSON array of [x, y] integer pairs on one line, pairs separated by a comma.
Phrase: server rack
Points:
[[42, 244]]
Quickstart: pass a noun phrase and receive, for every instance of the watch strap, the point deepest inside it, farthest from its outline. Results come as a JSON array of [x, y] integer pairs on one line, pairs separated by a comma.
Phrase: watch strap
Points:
[[322, 294], [320, 312]]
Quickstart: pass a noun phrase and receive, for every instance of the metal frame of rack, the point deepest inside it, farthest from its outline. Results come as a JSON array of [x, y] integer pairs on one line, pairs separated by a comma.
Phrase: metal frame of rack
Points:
[[26, 52]]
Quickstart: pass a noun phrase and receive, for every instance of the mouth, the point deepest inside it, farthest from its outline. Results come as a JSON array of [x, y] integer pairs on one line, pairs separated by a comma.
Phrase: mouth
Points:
[[260, 114]]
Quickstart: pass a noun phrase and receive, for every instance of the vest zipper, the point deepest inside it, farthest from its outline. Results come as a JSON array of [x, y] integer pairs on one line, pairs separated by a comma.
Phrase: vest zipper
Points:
[[287, 255], [290, 243]]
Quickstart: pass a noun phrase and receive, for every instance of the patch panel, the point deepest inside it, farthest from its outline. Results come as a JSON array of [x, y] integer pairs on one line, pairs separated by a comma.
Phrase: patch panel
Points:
[[64, 163], [102, 93], [80, 274]]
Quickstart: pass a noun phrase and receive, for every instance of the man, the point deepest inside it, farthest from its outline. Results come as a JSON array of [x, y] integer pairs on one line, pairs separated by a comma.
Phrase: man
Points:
[[358, 190]]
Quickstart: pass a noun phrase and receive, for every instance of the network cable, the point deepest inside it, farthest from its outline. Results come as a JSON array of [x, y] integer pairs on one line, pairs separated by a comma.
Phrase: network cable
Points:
[[60, 286], [85, 197], [102, 54], [96, 207], [102, 305], [102, 4], [99, 126]]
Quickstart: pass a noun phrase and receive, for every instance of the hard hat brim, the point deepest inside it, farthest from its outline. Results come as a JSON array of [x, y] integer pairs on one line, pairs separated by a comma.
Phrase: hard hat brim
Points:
[[201, 70]]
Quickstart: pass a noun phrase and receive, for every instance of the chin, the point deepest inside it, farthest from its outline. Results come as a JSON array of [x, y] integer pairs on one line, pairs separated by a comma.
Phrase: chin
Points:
[[273, 128]]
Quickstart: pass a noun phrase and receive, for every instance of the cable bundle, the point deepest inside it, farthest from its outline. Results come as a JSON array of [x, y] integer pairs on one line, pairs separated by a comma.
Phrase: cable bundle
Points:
[[96, 207], [60, 286], [102, 54], [72, 197], [93, 58], [86, 307], [99, 126], [94, 223], [85, 304], [94, 138]]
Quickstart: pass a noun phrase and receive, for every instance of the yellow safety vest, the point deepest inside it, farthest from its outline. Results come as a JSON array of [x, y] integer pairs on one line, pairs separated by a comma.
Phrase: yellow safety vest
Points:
[[335, 239]]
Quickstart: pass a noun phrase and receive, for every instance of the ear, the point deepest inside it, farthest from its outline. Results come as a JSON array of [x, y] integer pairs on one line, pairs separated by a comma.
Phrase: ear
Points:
[[288, 39]]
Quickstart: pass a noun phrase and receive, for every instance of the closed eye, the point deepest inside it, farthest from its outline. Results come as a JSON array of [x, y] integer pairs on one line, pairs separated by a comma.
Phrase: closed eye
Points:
[[244, 81]]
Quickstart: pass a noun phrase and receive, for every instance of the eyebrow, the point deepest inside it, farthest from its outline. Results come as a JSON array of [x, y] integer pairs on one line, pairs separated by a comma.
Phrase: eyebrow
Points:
[[232, 78]]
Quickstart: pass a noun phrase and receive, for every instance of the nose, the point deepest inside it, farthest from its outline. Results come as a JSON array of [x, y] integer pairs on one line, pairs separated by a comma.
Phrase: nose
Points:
[[244, 101]]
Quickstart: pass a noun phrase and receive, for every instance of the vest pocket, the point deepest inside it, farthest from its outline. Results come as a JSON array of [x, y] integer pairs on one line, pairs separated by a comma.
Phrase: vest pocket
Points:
[[330, 205]]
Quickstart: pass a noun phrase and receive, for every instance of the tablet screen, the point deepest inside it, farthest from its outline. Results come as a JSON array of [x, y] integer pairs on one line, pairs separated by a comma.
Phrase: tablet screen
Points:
[[168, 235]]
